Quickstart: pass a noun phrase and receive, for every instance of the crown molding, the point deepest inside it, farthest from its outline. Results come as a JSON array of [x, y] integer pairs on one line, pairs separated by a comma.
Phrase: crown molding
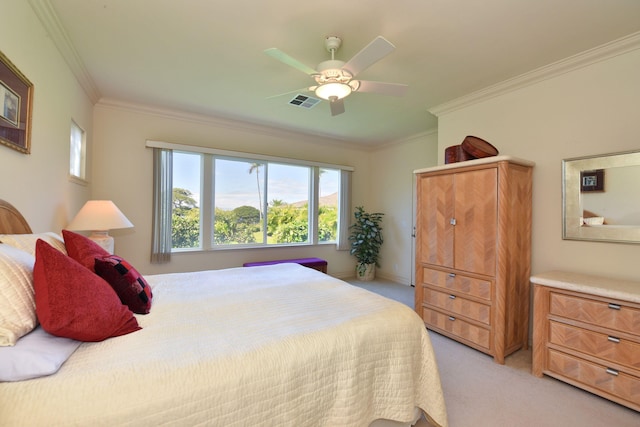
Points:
[[217, 121], [52, 25], [608, 50], [421, 135]]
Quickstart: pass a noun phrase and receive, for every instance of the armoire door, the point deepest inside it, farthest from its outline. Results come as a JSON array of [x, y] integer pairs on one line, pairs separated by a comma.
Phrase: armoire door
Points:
[[476, 218], [435, 211]]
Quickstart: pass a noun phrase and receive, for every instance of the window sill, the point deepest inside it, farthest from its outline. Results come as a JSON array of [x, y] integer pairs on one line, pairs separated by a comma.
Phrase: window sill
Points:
[[78, 180], [247, 247]]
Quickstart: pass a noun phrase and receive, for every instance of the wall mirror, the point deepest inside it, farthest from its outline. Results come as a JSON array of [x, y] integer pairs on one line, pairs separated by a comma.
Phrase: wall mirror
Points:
[[601, 198]]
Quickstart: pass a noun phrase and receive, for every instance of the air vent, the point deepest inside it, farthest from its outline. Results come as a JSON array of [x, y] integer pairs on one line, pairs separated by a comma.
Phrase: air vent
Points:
[[304, 101]]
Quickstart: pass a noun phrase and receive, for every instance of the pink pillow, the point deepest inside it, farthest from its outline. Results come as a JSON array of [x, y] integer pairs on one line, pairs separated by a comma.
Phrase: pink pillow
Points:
[[130, 286], [83, 249], [75, 303]]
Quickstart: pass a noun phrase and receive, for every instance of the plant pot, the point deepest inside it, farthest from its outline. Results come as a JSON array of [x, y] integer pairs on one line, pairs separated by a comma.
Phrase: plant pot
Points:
[[367, 273]]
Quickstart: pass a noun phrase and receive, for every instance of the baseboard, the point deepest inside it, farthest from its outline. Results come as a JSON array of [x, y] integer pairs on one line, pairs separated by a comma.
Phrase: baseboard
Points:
[[379, 275], [393, 278], [342, 275]]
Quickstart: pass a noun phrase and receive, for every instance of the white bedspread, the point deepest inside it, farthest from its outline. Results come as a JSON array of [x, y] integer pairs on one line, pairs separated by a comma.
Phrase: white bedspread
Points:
[[279, 345]]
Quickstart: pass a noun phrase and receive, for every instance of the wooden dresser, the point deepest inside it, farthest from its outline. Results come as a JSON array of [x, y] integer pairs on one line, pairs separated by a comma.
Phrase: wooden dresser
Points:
[[473, 250], [586, 332]]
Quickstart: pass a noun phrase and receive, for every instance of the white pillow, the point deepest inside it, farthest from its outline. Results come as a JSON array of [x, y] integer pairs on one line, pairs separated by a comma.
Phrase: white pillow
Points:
[[35, 355], [27, 242], [17, 302]]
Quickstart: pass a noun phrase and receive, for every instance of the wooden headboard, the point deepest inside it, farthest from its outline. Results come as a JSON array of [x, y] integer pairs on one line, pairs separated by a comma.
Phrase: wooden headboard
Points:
[[12, 221]]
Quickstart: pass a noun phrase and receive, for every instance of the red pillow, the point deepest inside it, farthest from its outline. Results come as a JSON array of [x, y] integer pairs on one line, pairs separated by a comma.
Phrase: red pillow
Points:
[[75, 303], [83, 249], [130, 286]]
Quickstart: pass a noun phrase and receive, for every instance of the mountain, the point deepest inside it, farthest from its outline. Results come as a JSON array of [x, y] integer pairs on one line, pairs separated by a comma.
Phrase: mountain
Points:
[[330, 200]]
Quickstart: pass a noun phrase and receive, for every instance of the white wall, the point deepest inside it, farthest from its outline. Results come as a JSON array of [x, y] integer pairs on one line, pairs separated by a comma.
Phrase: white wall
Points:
[[393, 193], [119, 166], [123, 167], [38, 184], [591, 110]]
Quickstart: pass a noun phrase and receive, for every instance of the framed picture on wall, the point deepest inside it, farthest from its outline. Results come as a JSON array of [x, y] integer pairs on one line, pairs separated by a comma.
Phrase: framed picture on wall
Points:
[[16, 98], [591, 181]]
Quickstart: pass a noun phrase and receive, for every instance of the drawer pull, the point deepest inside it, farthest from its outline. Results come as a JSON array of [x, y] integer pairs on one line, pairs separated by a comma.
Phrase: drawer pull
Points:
[[613, 306], [452, 221], [452, 318], [613, 339], [452, 274], [452, 297], [612, 371]]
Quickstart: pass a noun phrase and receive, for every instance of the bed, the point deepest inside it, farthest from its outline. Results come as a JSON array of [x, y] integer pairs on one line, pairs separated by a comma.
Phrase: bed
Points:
[[276, 345]]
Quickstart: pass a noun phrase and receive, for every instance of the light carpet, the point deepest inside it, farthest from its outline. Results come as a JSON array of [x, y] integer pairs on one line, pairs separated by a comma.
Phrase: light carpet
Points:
[[479, 392]]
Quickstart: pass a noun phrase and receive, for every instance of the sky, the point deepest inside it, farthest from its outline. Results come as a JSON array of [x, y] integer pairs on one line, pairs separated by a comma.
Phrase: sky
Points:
[[288, 183]]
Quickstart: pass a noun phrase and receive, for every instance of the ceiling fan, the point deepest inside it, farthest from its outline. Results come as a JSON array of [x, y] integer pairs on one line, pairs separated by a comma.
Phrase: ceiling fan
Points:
[[335, 79]]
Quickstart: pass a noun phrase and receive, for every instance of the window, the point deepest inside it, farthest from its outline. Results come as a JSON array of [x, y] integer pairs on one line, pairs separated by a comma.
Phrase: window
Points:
[[329, 181], [221, 200], [77, 152], [288, 206], [185, 211], [239, 202]]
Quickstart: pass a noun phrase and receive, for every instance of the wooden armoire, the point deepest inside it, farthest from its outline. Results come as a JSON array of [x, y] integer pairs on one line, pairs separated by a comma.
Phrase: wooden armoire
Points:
[[473, 252]]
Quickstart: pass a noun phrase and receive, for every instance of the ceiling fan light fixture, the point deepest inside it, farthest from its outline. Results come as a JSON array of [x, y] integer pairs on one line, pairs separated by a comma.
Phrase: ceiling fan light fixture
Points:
[[333, 90]]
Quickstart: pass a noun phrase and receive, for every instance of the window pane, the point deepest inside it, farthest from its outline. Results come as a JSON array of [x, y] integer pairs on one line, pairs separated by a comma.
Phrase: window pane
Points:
[[288, 211], [328, 205], [77, 152], [186, 200], [239, 198]]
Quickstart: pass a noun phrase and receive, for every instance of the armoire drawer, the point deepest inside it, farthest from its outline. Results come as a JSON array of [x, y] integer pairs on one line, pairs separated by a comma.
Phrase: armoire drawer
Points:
[[459, 283], [475, 334], [607, 315], [458, 305], [595, 376], [607, 347]]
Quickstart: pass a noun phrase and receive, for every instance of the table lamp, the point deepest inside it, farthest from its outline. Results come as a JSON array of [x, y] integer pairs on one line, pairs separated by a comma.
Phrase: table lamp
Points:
[[100, 216]]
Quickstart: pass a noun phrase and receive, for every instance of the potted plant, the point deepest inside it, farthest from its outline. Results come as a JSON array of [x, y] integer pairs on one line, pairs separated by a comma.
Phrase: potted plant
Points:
[[366, 239]]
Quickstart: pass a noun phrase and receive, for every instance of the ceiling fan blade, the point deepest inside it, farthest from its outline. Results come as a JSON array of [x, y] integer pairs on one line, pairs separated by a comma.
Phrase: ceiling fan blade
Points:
[[290, 61], [392, 89], [369, 55], [304, 89], [337, 107]]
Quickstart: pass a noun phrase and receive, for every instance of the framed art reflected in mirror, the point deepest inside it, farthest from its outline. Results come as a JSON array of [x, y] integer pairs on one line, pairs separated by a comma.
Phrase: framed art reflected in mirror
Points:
[[592, 180]]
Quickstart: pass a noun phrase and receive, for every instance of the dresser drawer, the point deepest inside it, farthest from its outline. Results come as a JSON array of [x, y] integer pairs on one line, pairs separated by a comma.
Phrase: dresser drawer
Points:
[[464, 330], [459, 283], [607, 315], [616, 384], [457, 305], [607, 347]]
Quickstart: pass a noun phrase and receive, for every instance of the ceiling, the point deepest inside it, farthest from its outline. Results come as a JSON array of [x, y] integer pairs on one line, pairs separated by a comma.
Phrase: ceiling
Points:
[[207, 57]]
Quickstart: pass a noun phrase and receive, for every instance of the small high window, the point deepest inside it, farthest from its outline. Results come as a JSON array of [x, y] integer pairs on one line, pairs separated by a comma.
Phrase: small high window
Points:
[[77, 158]]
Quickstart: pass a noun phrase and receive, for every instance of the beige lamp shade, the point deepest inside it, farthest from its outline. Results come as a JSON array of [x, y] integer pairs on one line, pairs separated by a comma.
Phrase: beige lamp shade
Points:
[[100, 216]]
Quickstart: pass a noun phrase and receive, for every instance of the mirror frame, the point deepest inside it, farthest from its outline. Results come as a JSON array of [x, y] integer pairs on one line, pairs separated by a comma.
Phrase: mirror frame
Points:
[[572, 229]]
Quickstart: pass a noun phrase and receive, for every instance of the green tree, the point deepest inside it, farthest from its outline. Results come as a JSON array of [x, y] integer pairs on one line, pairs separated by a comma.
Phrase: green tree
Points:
[[327, 223], [224, 227], [229, 229], [287, 223], [185, 220], [183, 200], [185, 229], [247, 215]]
